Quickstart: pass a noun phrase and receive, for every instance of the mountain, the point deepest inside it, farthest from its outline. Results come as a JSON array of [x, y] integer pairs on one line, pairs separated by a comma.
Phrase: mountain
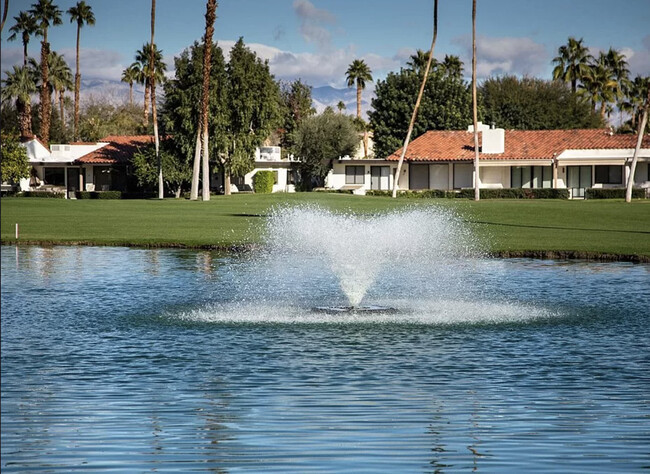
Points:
[[325, 96]]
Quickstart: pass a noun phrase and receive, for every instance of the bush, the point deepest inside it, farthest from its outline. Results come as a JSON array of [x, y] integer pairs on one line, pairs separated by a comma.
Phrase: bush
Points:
[[333, 191], [506, 193], [263, 182], [613, 193], [98, 194], [41, 194]]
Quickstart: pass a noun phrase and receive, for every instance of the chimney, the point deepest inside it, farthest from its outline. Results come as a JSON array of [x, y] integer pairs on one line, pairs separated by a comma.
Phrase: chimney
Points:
[[493, 141]]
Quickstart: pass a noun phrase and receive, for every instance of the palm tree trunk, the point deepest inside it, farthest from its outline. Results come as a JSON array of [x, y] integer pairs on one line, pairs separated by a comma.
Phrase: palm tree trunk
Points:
[[419, 99], [210, 17], [146, 102], [635, 158], [131, 94], [196, 168], [24, 110], [61, 112], [45, 105], [152, 80], [24, 53], [477, 192], [4, 15], [77, 87], [358, 100]]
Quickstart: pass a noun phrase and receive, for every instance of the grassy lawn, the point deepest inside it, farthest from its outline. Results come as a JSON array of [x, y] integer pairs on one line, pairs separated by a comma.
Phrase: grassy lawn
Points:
[[504, 225]]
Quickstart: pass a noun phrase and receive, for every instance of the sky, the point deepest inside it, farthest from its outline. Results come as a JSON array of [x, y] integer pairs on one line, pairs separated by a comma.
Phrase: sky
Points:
[[316, 40]]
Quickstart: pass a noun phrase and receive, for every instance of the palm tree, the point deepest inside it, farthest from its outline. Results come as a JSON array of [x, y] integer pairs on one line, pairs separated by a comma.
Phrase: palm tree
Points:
[[418, 61], [60, 80], [340, 106], [358, 73], [20, 85], [26, 27], [130, 75], [152, 84], [83, 15], [572, 62], [143, 57], [46, 14], [202, 129], [636, 94], [452, 66], [419, 99], [599, 85], [477, 192]]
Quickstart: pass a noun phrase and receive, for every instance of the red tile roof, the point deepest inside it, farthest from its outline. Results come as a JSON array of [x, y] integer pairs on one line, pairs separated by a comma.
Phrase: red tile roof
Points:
[[519, 144], [119, 150]]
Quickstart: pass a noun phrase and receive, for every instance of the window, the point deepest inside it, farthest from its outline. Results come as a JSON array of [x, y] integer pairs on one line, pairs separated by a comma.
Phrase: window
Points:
[[609, 174], [531, 177], [54, 176], [355, 174]]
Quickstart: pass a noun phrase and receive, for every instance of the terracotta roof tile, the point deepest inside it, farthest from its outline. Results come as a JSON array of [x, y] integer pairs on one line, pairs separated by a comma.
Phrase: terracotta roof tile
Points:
[[119, 150], [519, 144]]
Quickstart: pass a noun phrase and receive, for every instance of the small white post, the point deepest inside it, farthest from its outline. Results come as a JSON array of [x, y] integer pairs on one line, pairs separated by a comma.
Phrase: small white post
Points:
[[16, 230]]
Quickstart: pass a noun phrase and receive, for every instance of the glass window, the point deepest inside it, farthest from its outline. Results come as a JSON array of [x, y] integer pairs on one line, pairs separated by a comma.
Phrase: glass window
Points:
[[54, 176], [355, 174], [606, 174]]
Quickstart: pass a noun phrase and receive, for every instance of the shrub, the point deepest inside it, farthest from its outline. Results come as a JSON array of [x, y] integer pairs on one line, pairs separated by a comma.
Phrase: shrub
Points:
[[263, 182], [468, 193], [333, 191], [42, 194], [613, 193], [98, 194]]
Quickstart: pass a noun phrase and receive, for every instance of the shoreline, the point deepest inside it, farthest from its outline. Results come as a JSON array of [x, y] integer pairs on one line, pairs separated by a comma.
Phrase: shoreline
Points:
[[248, 247]]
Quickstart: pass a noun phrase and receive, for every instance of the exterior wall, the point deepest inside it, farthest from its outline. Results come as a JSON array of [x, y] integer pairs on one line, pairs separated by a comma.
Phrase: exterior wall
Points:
[[282, 173], [336, 179], [494, 177]]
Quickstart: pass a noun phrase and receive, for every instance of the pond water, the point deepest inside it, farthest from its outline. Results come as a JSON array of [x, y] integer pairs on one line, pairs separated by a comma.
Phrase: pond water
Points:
[[172, 360]]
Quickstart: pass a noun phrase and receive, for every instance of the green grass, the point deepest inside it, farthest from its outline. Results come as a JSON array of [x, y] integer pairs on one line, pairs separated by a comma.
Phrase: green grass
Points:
[[603, 226]]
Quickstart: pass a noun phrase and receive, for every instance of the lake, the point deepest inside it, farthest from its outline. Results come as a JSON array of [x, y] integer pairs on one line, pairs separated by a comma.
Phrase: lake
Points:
[[139, 360]]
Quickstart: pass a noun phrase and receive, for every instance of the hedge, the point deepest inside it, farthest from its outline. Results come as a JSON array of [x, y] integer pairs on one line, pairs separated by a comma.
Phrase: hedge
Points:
[[613, 193], [98, 194], [263, 182], [505, 193], [41, 194]]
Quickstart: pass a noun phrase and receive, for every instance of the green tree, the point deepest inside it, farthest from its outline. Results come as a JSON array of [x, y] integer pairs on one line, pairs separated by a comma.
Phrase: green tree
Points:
[[572, 62], [634, 101], [83, 15], [60, 81], [177, 174], [296, 105], [13, 158], [534, 104], [446, 105], [19, 85], [319, 140], [26, 27], [180, 114], [358, 74], [418, 61], [253, 108], [46, 14], [599, 86], [452, 66]]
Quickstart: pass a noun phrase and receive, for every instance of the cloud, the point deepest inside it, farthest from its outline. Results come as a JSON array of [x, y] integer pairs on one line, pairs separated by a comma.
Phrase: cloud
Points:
[[505, 55], [313, 23], [11, 57], [639, 60]]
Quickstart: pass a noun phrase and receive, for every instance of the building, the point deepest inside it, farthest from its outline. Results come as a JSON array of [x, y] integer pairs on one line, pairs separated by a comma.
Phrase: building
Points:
[[568, 159]]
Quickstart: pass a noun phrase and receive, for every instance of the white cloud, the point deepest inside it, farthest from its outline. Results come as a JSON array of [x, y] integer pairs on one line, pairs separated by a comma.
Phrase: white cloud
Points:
[[505, 55], [639, 60]]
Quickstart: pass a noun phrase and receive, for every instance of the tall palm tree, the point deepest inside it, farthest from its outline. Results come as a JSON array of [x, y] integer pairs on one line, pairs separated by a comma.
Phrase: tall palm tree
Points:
[[83, 15], [130, 75], [152, 84], [46, 14], [477, 192], [357, 74], [20, 85], [60, 80], [26, 27], [340, 106], [572, 62], [143, 57], [202, 129], [418, 100], [636, 94]]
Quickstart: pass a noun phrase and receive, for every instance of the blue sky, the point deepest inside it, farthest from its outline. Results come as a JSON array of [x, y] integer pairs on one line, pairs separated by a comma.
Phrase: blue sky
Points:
[[317, 39]]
